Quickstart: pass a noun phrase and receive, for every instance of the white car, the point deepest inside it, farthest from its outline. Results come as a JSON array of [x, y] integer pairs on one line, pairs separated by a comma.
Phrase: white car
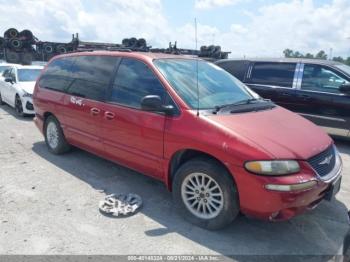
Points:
[[17, 86]]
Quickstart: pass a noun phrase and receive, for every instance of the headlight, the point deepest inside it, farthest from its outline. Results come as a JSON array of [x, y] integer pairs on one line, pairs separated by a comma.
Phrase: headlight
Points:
[[273, 168], [25, 94]]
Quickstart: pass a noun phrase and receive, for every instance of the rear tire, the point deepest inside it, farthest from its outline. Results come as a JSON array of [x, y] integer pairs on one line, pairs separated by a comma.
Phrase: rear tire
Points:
[[205, 194], [54, 137]]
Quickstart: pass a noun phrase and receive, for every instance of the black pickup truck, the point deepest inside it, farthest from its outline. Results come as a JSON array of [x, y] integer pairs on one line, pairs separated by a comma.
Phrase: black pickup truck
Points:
[[319, 90]]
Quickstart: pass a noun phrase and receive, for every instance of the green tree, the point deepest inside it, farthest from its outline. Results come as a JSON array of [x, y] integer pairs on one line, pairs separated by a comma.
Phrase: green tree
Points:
[[338, 59], [321, 55], [308, 55], [288, 53], [347, 61], [297, 54]]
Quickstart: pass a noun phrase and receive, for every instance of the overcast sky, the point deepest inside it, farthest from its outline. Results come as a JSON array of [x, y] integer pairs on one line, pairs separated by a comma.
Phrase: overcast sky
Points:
[[246, 27]]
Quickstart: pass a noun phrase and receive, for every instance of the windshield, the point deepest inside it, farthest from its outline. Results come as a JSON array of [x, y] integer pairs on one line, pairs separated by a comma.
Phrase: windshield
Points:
[[3, 68], [216, 86], [344, 68], [28, 75]]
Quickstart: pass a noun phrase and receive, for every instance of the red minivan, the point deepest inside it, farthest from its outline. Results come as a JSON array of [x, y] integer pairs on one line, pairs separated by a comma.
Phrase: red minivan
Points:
[[216, 144]]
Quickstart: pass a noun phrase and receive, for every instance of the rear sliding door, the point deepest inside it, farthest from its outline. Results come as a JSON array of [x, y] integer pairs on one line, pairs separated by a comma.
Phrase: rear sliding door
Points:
[[91, 76]]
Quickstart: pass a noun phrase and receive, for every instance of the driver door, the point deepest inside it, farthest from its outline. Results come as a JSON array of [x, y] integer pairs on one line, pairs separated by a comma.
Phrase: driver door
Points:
[[320, 100]]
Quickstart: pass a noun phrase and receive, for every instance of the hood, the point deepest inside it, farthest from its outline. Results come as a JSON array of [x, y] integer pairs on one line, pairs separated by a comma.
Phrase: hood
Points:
[[27, 86], [279, 132]]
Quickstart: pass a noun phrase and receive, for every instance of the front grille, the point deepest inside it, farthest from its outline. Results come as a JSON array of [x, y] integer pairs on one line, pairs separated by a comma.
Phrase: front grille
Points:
[[29, 106], [324, 162]]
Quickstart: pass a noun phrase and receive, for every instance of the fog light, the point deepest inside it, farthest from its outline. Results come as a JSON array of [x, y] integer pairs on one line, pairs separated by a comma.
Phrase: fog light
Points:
[[293, 187]]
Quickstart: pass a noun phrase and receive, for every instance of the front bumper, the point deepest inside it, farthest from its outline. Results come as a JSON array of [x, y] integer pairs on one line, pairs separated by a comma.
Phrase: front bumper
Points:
[[27, 105], [257, 201]]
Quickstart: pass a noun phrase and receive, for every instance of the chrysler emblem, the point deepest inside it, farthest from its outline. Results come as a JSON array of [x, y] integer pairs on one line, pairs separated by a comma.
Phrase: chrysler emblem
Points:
[[327, 160]]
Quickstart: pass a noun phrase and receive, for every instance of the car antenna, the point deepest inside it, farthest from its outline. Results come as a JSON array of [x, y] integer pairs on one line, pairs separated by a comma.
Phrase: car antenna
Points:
[[195, 32]]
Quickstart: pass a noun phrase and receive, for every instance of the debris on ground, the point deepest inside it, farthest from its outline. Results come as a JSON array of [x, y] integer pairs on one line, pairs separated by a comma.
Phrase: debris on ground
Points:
[[122, 204]]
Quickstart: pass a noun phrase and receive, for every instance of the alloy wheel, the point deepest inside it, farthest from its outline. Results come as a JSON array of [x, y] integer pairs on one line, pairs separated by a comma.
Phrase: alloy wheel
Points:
[[202, 195], [52, 135]]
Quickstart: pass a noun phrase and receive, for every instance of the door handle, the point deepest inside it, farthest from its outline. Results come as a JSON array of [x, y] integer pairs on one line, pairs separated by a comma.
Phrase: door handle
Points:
[[109, 115], [286, 94], [94, 111]]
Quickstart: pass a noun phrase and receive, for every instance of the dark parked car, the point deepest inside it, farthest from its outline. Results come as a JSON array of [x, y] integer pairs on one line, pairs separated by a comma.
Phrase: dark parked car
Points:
[[316, 89], [346, 248]]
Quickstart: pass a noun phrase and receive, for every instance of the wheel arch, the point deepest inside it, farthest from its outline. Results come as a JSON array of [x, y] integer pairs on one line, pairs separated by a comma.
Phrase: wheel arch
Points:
[[46, 115], [182, 156]]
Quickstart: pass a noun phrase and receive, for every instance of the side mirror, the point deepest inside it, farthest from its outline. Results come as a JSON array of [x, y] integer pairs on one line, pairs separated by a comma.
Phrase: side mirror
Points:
[[153, 103], [9, 80], [345, 88]]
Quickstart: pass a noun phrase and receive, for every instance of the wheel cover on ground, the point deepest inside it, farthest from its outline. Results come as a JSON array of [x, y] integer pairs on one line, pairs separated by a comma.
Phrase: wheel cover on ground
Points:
[[52, 135], [202, 195]]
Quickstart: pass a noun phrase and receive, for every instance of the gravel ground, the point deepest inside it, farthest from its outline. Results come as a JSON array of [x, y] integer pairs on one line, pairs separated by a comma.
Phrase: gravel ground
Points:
[[49, 205]]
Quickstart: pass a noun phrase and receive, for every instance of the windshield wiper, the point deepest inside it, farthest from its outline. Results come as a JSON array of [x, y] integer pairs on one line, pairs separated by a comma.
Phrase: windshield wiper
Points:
[[241, 102]]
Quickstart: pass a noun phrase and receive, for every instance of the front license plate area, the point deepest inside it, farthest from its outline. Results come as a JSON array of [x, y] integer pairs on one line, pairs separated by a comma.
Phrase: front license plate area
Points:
[[333, 189]]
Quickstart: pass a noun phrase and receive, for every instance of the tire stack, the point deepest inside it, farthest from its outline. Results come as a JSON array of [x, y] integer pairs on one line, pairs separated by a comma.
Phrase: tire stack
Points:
[[22, 47], [212, 51], [18, 46], [135, 44], [47, 50]]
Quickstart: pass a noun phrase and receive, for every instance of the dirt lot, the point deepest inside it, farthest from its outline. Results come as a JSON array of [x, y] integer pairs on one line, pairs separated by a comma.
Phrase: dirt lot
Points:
[[49, 205]]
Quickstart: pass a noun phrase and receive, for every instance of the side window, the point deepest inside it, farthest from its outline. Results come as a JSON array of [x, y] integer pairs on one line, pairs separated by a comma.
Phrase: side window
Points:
[[133, 81], [91, 76], [278, 74], [57, 75], [7, 72], [12, 74], [236, 68], [320, 78]]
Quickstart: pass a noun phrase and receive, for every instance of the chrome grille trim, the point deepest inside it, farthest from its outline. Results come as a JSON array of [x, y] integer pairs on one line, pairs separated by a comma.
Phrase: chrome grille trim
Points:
[[327, 174]]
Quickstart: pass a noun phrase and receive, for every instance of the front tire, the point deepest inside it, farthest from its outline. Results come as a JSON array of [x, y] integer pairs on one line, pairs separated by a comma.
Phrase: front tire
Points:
[[205, 194], [19, 106], [1, 101], [54, 137]]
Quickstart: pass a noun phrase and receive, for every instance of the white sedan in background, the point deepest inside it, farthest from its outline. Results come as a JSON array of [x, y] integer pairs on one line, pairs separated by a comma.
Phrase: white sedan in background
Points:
[[17, 86]]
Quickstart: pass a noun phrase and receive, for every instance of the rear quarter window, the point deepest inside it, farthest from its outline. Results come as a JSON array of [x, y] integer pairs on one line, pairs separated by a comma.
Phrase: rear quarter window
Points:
[[236, 68], [57, 75], [277, 74], [91, 76]]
